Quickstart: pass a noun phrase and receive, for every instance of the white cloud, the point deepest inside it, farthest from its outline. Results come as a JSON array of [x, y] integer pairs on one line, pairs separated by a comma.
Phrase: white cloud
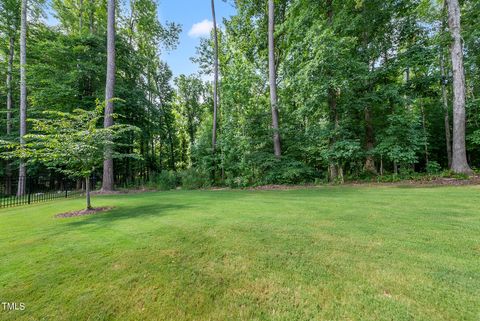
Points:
[[201, 29]]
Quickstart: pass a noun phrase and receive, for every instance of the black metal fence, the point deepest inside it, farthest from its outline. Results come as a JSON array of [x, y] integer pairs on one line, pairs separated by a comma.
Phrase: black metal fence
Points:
[[15, 191]]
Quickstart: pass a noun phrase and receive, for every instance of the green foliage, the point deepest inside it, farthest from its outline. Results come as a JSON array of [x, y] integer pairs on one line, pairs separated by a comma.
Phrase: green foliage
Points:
[[401, 140], [193, 178], [433, 167], [451, 174], [72, 143], [164, 181]]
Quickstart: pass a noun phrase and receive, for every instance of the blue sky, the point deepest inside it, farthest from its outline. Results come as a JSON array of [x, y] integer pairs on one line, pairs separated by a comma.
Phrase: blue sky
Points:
[[195, 16]]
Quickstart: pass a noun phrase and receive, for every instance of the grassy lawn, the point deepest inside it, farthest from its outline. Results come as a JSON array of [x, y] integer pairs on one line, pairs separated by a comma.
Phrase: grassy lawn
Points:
[[332, 253]]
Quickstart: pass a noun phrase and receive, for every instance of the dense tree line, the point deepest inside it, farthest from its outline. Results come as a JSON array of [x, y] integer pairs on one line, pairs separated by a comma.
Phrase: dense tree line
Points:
[[301, 90], [365, 88]]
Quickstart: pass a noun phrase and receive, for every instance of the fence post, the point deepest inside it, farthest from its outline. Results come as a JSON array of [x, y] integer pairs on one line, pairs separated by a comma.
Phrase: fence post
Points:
[[29, 187]]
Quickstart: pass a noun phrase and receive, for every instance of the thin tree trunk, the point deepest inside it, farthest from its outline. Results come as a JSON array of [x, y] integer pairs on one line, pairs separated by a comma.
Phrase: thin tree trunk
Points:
[[273, 78], [8, 168], [11, 49], [215, 83], [23, 96], [87, 193], [332, 103], [381, 165], [108, 177], [459, 155], [369, 162], [131, 22], [448, 137]]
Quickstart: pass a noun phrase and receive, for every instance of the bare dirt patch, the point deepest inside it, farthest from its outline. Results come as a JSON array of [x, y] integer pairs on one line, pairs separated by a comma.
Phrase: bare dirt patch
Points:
[[84, 212]]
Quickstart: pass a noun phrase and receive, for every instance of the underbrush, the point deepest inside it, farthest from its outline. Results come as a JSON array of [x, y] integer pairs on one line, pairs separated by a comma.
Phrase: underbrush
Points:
[[287, 174]]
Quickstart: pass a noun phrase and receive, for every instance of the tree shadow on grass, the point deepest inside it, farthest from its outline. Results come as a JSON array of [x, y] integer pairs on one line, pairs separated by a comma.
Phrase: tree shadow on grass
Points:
[[127, 212]]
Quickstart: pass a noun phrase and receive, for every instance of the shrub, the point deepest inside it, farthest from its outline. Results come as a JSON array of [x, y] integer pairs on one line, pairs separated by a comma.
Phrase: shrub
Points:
[[433, 168], [451, 174], [164, 181], [193, 178], [237, 182]]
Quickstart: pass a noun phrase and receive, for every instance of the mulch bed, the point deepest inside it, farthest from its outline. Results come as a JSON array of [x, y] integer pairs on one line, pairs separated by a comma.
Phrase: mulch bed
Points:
[[84, 212], [439, 181]]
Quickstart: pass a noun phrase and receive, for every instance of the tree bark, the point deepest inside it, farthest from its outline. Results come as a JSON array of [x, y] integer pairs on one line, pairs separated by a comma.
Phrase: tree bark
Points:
[[8, 167], [273, 78], [87, 193], [108, 178], [448, 137], [332, 103], [459, 153], [215, 82], [23, 96], [11, 49]]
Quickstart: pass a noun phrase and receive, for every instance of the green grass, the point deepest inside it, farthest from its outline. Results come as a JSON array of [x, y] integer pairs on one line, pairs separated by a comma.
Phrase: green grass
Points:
[[332, 253]]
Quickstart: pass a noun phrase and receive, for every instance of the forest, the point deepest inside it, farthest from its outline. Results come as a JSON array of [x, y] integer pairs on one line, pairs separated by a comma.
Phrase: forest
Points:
[[288, 92]]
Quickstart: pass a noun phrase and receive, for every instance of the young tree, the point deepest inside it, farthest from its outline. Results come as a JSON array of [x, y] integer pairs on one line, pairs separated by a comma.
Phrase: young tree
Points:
[[22, 173], [108, 181], [71, 143], [459, 153], [273, 78]]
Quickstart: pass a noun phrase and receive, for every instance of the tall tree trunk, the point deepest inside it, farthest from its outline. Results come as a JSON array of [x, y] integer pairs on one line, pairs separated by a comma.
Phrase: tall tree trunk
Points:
[[23, 96], [108, 178], [370, 140], [332, 103], [448, 137], [459, 155], [273, 78], [11, 49], [8, 168], [215, 82]]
